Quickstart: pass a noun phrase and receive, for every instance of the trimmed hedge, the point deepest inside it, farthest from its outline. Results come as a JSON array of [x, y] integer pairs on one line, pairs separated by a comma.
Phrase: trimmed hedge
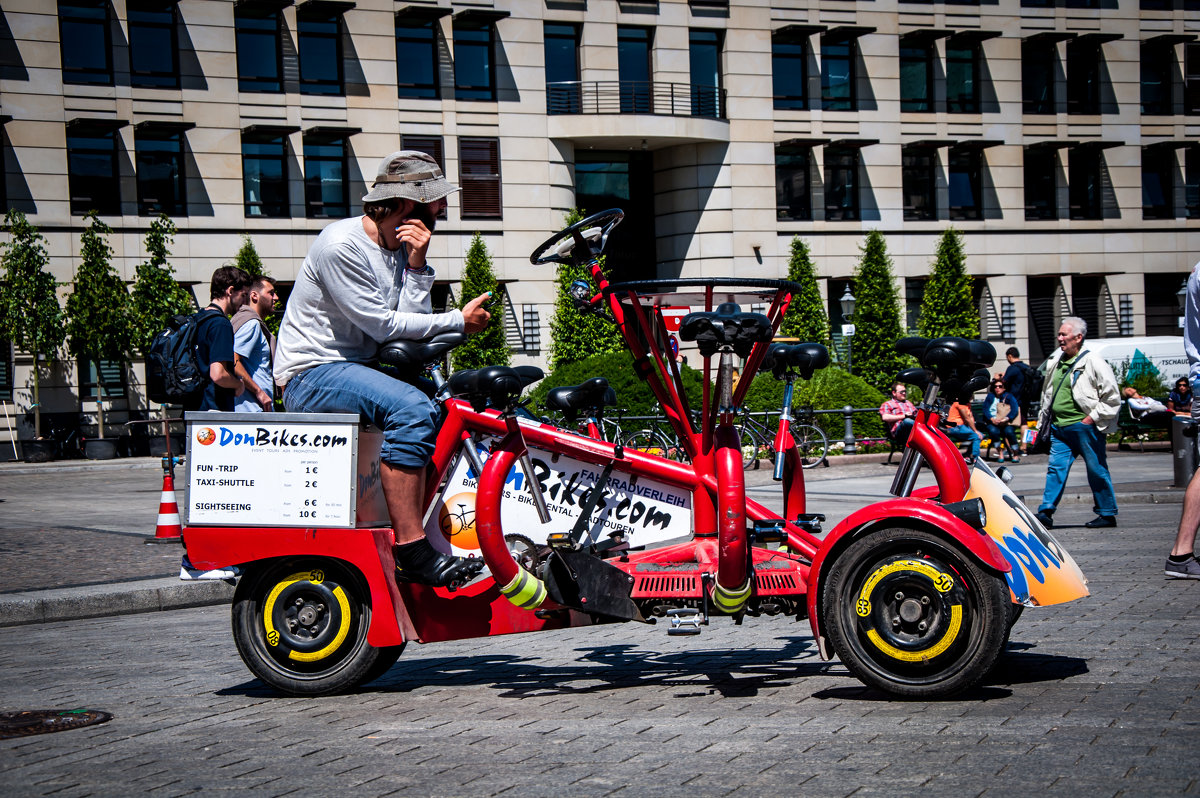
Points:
[[829, 389], [633, 393]]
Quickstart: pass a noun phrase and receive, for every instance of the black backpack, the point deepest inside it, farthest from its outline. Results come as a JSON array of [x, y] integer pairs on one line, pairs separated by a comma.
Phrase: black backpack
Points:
[[1031, 391], [173, 371]]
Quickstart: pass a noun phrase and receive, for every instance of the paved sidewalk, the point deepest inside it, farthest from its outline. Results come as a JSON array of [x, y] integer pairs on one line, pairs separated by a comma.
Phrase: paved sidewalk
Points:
[[72, 535]]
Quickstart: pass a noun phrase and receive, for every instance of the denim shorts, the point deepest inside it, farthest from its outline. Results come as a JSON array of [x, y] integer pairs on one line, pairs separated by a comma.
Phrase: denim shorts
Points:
[[404, 412]]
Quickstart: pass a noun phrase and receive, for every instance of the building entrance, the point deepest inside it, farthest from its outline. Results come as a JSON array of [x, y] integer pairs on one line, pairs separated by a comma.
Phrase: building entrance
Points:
[[625, 180]]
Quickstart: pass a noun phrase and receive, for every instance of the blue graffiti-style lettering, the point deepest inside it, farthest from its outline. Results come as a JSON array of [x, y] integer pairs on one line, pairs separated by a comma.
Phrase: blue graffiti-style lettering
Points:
[[1038, 548], [1018, 550], [1016, 576]]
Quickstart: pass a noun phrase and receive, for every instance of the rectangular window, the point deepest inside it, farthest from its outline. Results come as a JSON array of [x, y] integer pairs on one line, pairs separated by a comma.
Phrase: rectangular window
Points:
[[91, 372], [258, 51], [1041, 183], [1158, 183], [325, 195], [841, 184], [561, 42], [264, 176], [153, 48], [6, 370], [633, 69], [1008, 318], [1083, 178], [966, 183], [92, 172], [1125, 314], [789, 70], [704, 57], [838, 74], [83, 29], [531, 333], [479, 162], [1158, 63], [430, 145], [916, 76], [1083, 77], [473, 54], [1191, 181], [918, 167], [1039, 63], [962, 78], [417, 59], [793, 199], [1191, 79], [320, 46], [161, 179]]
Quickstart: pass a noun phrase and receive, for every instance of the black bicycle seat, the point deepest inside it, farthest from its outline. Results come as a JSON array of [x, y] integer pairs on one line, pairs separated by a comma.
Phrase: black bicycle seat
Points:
[[917, 376], [727, 326], [409, 355], [570, 399], [803, 359], [913, 345], [492, 386], [949, 354]]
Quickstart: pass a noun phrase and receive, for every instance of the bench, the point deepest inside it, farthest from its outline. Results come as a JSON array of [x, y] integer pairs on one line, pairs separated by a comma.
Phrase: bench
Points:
[[1130, 427]]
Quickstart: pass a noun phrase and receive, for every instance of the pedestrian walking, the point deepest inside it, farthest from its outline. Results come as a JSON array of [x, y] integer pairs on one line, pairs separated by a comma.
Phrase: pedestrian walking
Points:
[[254, 347], [1080, 402], [214, 342], [1182, 563]]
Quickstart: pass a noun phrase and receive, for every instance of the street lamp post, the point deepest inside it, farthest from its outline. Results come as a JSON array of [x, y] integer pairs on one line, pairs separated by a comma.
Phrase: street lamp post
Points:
[[847, 302]]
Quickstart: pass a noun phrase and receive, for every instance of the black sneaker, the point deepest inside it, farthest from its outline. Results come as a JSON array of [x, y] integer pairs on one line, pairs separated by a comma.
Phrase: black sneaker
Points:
[[422, 564], [1045, 519], [1102, 522], [1188, 569]]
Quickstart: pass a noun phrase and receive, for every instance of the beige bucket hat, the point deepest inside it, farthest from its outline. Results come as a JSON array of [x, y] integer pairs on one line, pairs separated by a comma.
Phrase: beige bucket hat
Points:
[[410, 174]]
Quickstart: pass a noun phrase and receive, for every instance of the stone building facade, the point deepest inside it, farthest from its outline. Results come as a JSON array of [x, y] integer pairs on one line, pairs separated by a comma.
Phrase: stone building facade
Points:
[[1060, 136]]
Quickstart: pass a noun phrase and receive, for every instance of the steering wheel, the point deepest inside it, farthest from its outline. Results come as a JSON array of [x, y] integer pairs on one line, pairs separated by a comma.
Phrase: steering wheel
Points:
[[585, 236]]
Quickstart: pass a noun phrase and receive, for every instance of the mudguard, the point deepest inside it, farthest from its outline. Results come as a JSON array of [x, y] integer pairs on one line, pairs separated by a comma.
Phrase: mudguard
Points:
[[368, 550], [905, 512], [1042, 571]]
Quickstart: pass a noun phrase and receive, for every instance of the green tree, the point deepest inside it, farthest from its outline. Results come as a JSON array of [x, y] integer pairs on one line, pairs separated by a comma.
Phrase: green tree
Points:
[[948, 307], [99, 319], [805, 318], [574, 335], [247, 258], [876, 315], [486, 347], [30, 316], [157, 295]]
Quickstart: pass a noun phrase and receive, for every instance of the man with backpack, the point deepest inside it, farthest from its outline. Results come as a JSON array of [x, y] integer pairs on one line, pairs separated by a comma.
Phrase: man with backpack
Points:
[[254, 347], [214, 342], [1024, 383]]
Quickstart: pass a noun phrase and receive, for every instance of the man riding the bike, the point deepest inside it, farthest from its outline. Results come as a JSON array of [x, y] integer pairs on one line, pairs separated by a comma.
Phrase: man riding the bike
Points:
[[365, 282]]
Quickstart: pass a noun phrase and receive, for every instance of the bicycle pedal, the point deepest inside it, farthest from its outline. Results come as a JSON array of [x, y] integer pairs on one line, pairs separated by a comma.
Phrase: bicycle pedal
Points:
[[810, 522], [685, 621], [769, 531]]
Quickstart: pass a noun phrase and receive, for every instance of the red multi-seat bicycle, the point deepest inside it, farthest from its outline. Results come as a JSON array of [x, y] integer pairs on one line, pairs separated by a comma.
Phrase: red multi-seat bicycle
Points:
[[915, 594]]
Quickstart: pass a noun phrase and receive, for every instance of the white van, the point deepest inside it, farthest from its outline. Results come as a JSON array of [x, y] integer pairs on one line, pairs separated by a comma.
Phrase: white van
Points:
[[1164, 351]]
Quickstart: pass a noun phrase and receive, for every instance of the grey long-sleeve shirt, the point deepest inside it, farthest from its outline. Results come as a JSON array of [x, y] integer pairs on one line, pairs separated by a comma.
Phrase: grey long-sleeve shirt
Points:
[[351, 296]]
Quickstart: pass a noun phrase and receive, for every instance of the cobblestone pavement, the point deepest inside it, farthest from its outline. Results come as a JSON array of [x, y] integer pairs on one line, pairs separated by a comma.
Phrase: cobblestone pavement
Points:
[[1096, 697]]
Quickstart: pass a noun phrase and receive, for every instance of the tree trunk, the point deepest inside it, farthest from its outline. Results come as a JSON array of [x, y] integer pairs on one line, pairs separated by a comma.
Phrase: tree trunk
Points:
[[37, 405], [99, 400]]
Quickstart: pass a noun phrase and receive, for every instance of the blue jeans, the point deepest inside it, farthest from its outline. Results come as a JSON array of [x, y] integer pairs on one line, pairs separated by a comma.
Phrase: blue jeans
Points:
[[964, 433], [1006, 434], [1067, 443], [404, 412]]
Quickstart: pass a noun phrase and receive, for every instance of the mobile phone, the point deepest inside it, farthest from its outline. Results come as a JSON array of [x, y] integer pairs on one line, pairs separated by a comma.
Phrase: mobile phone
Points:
[[491, 304]]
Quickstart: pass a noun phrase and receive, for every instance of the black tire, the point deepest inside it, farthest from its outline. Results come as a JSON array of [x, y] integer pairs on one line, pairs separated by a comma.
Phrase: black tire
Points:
[[811, 443], [383, 663], [300, 625], [882, 589], [752, 447], [1014, 614], [648, 441]]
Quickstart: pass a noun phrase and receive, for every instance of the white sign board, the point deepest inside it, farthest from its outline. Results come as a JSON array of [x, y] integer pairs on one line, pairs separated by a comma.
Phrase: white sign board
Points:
[[271, 469], [848, 329], [642, 510]]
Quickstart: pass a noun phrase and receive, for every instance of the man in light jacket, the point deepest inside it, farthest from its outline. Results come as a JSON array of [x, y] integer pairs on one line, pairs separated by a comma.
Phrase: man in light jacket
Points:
[[1080, 402]]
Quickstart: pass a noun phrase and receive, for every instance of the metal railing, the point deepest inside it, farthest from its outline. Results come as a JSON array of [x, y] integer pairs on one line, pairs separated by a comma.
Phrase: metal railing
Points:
[[634, 97]]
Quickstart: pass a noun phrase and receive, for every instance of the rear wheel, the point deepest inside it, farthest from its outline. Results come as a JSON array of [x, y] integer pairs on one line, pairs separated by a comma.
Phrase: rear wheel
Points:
[[301, 625], [911, 614], [648, 441], [752, 447], [811, 443]]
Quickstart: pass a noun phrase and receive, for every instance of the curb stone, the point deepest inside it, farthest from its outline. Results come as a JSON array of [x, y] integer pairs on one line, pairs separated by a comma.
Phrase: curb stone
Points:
[[103, 600]]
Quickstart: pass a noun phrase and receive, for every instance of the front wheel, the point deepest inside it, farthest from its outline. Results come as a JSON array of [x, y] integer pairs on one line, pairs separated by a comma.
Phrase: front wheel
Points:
[[301, 625], [648, 441], [913, 615], [811, 443]]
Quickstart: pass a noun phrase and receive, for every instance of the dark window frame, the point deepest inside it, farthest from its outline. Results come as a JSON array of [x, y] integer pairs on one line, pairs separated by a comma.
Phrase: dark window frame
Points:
[[792, 160], [430, 145], [705, 97], [1039, 165], [250, 24], [968, 102], [918, 178], [1083, 77], [151, 19], [318, 152], [281, 208], [482, 194], [87, 75], [1156, 79], [829, 100], [1158, 167], [312, 29], [1191, 181], [152, 206], [637, 94], [465, 42], [105, 370], [842, 163], [7, 367], [105, 196], [1191, 78], [787, 49], [1085, 169], [968, 161], [1039, 70], [927, 53], [561, 99], [408, 33]]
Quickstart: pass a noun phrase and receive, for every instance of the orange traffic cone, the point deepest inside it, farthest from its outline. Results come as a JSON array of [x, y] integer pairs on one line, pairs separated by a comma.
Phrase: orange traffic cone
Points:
[[168, 529]]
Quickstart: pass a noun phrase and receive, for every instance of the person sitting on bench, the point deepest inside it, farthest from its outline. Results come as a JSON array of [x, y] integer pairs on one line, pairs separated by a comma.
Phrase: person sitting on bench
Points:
[[1147, 410], [897, 413]]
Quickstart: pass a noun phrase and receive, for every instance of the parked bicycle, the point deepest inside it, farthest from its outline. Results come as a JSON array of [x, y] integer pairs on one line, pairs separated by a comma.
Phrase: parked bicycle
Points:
[[758, 438]]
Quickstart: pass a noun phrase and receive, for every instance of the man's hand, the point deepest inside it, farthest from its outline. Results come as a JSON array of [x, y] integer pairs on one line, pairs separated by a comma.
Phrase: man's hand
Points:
[[475, 318], [263, 398], [415, 235], [1088, 420]]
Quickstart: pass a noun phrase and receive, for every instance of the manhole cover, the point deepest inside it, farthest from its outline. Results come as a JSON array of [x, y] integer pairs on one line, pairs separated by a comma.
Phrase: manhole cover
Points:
[[43, 721]]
